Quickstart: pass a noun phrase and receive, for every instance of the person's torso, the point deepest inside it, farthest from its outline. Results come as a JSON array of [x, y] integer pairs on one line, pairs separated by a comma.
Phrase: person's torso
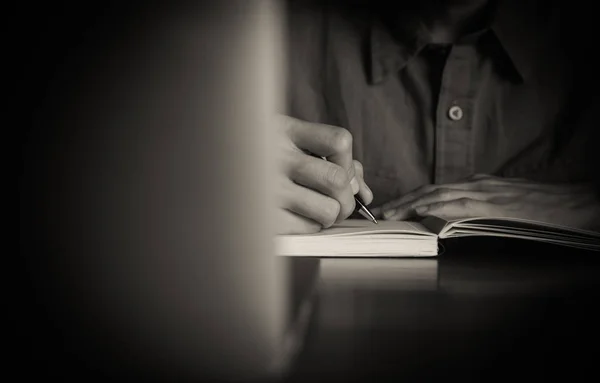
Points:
[[486, 104]]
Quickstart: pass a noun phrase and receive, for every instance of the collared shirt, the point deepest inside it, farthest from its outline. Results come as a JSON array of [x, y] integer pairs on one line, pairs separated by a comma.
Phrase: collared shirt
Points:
[[513, 99]]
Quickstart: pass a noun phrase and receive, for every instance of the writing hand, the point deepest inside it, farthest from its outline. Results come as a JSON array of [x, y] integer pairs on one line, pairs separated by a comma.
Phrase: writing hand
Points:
[[313, 193], [488, 196]]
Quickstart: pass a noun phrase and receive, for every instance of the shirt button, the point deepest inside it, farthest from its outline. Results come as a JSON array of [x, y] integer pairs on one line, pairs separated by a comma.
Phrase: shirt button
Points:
[[455, 113]]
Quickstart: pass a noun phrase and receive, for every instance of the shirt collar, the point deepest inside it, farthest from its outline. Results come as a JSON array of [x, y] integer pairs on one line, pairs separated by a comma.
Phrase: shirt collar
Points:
[[521, 26], [388, 54], [517, 24]]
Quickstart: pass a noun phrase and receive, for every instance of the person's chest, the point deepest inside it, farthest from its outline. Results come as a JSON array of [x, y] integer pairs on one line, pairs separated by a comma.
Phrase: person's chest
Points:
[[446, 114]]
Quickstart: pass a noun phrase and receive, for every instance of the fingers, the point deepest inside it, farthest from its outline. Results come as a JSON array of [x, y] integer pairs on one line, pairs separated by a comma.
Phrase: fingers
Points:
[[291, 223], [331, 142], [364, 192], [477, 195], [320, 188], [389, 209], [458, 208], [326, 178], [438, 195], [476, 182], [311, 204]]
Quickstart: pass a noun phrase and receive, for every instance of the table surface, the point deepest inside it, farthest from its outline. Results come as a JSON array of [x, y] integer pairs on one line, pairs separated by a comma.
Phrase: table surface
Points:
[[484, 310]]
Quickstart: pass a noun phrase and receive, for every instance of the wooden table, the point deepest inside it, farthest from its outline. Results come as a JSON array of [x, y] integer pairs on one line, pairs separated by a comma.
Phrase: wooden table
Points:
[[488, 310]]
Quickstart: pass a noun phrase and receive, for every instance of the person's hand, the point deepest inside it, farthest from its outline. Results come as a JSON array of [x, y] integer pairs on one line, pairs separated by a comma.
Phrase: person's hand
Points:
[[314, 193], [488, 196]]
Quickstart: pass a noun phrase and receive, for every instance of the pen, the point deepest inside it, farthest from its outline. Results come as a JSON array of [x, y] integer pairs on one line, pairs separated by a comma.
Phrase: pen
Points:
[[363, 210], [360, 205]]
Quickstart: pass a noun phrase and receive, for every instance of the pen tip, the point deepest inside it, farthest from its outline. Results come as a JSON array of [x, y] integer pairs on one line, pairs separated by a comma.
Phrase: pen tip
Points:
[[367, 214]]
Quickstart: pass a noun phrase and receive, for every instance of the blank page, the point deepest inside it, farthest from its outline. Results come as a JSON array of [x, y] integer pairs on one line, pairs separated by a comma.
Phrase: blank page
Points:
[[363, 227]]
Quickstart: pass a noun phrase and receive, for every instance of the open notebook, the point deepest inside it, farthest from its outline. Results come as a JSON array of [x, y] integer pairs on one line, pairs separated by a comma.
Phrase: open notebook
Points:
[[403, 238]]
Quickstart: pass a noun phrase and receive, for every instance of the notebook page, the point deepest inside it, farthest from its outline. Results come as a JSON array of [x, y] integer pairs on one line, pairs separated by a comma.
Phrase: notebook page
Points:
[[522, 225], [573, 236], [503, 232], [556, 241], [354, 227], [435, 224]]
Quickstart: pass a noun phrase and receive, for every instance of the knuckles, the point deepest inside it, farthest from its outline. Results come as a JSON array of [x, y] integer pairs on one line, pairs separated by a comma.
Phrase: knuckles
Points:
[[341, 140], [443, 193], [464, 203], [335, 177]]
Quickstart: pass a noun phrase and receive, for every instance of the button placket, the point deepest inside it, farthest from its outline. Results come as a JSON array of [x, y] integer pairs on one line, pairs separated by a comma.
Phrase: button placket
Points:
[[452, 126]]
